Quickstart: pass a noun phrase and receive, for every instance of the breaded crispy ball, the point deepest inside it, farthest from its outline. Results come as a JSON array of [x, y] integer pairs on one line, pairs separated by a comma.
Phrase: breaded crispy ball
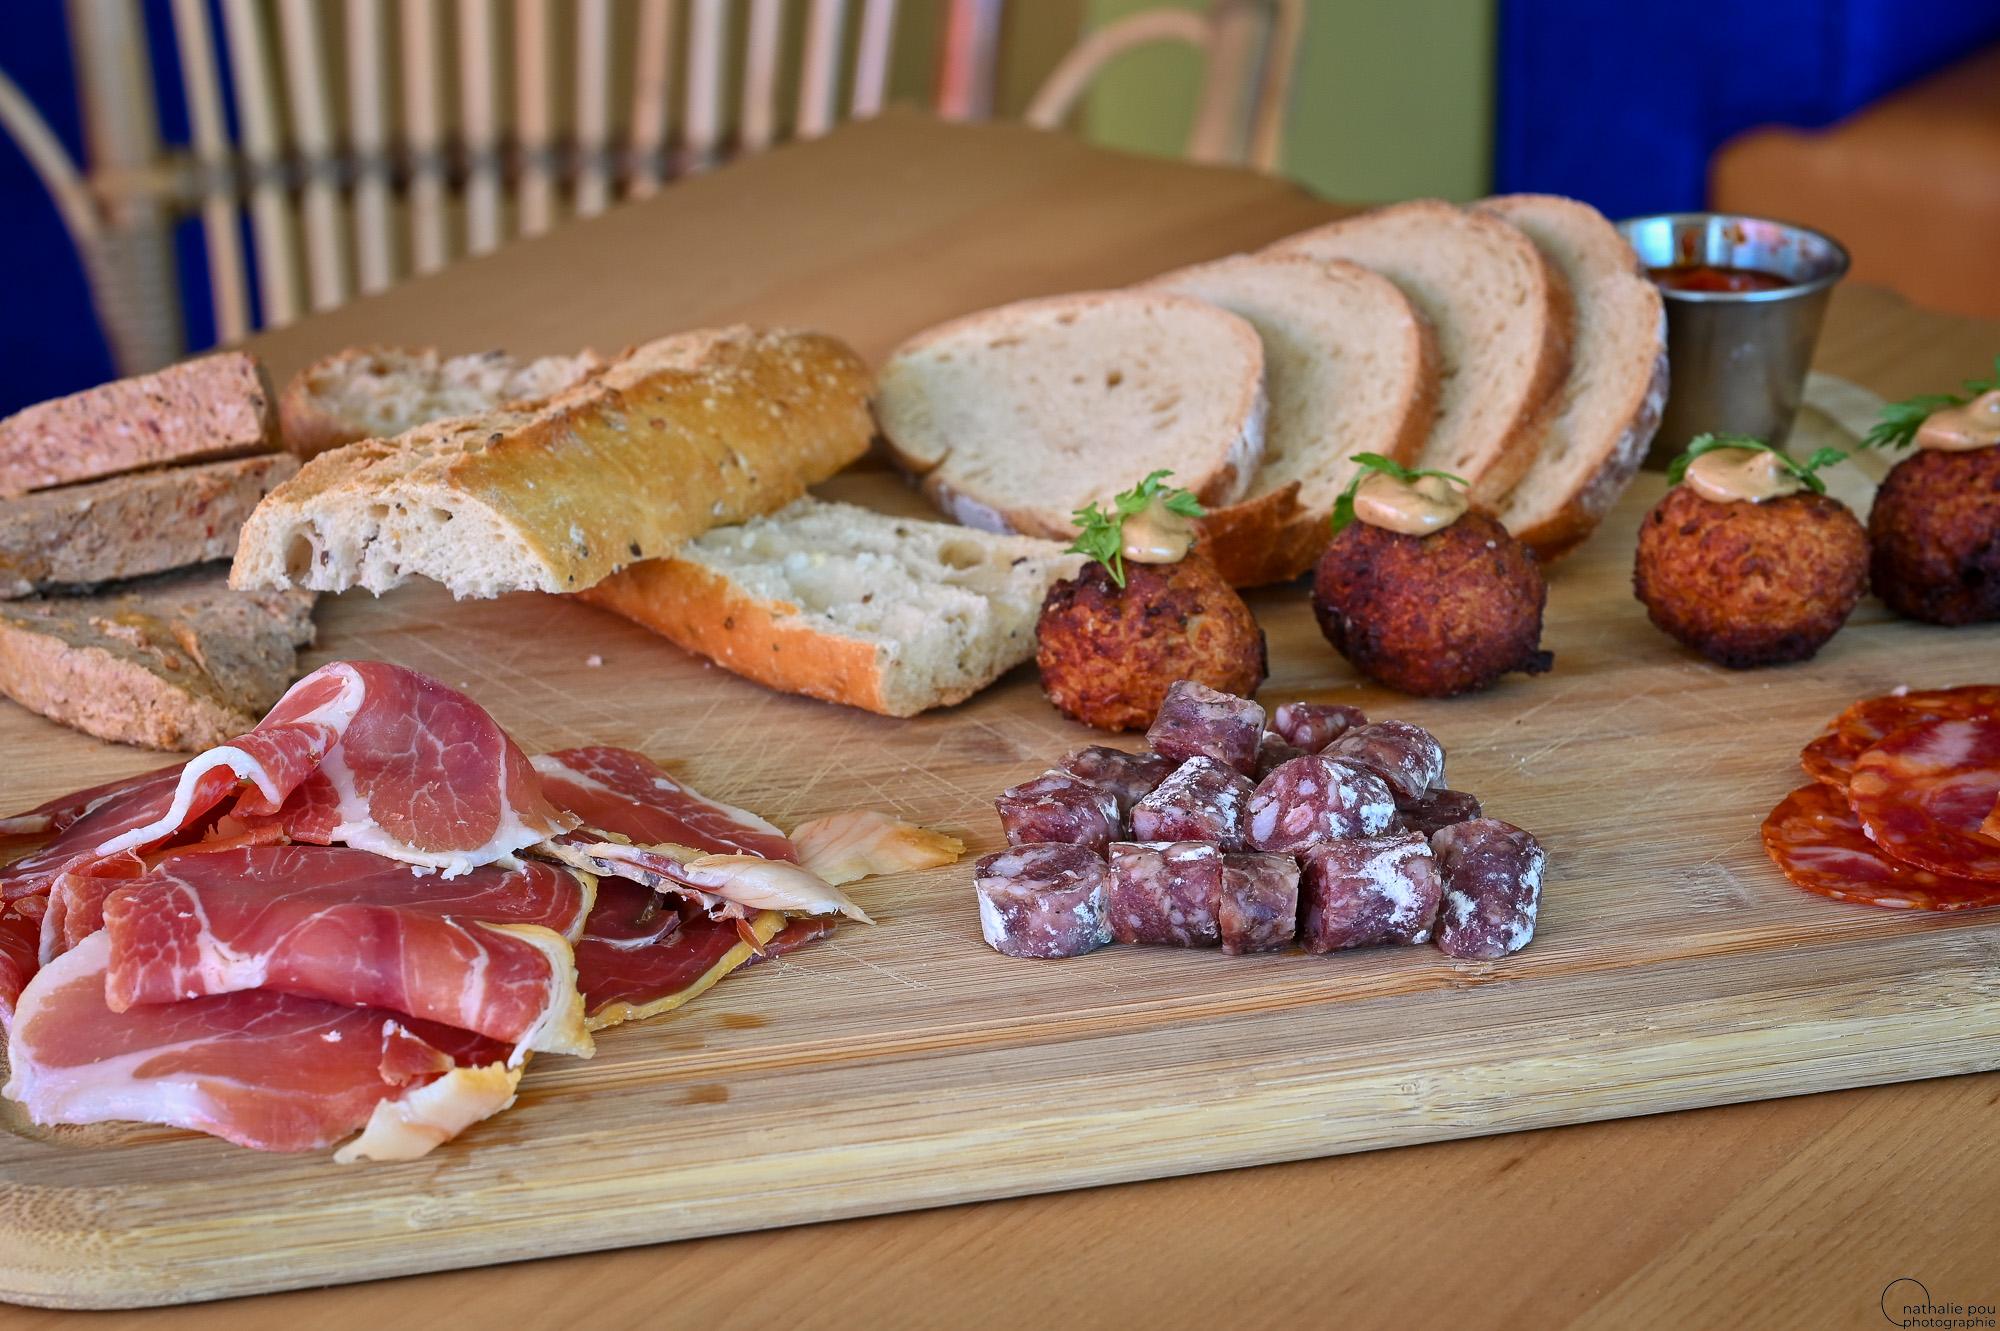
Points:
[[1108, 654], [1934, 537], [1750, 584], [1433, 615]]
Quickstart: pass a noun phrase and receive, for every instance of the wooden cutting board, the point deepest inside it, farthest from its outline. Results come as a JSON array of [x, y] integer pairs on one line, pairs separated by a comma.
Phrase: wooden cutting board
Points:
[[907, 1065]]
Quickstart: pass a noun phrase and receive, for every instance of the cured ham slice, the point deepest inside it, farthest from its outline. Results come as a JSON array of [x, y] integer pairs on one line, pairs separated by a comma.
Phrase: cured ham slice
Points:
[[373, 756], [862, 843], [617, 790], [486, 952], [640, 956], [105, 813], [726, 886], [263, 1070], [20, 936]]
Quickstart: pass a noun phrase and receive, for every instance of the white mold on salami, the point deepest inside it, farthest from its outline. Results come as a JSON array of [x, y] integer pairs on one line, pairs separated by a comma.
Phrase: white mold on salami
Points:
[[1043, 900], [1126, 777], [1195, 720], [1311, 726], [1168, 895], [1201, 801], [1058, 806], [1406, 756], [1493, 888], [1260, 902], [1368, 891], [1315, 798]]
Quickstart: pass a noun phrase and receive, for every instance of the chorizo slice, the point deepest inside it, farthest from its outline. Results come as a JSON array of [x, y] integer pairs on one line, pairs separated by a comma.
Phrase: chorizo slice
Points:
[[1042, 900], [1830, 757], [1315, 798], [1201, 801], [1057, 806], [1924, 792], [1166, 895], [1406, 756], [1492, 888], [1435, 810], [1260, 902], [1197, 721], [1368, 891], [1127, 777], [1817, 842], [1311, 726]]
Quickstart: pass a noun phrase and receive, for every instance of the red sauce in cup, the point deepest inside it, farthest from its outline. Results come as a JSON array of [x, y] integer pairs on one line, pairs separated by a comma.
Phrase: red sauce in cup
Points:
[[1710, 277]]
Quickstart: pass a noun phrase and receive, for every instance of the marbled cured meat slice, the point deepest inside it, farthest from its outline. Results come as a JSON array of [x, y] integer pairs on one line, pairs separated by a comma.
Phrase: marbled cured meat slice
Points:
[[57, 815], [1127, 777], [1166, 895], [1435, 810], [1924, 793], [1368, 891], [1057, 806], [1315, 798], [1406, 756], [618, 790], [640, 955], [110, 812], [1492, 888], [1830, 757], [1042, 900], [1311, 726], [1815, 839], [1201, 801], [1260, 902], [1197, 721], [263, 1070], [20, 936], [486, 951]]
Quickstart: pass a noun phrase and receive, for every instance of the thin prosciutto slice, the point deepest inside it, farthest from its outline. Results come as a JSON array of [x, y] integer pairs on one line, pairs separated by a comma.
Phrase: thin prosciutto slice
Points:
[[20, 935], [640, 956], [263, 1070], [373, 756], [80, 823], [487, 951]]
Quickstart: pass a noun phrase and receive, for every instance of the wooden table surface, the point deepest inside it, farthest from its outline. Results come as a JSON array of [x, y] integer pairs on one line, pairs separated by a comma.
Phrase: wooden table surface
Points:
[[1788, 1213]]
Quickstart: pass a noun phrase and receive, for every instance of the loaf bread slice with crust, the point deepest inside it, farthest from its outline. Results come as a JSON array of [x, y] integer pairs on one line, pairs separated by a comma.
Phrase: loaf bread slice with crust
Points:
[[1014, 418], [1349, 367], [214, 407], [849, 605], [677, 436], [379, 392], [173, 662], [132, 525], [1609, 407], [1502, 320]]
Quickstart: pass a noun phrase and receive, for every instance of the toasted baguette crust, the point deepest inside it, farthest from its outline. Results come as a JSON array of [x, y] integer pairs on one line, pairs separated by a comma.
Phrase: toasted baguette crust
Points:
[[178, 662], [1492, 440], [213, 407], [683, 434], [131, 525], [1563, 499]]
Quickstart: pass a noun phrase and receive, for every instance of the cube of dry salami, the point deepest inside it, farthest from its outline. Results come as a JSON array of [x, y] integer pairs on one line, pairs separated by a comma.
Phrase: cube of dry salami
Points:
[[1407, 756], [1260, 902], [1128, 777], [1435, 810], [1273, 750], [1195, 720], [1042, 900], [1368, 891], [1315, 798], [1057, 806], [1492, 887], [1167, 895], [1201, 801], [1311, 726]]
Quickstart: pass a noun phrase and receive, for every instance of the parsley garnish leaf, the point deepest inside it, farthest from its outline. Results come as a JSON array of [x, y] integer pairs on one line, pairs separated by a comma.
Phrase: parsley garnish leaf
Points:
[[1101, 535], [1807, 471], [1899, 422]]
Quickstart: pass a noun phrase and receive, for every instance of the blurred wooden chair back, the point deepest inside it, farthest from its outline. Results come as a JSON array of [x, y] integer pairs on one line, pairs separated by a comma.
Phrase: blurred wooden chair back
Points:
[[371, 139]]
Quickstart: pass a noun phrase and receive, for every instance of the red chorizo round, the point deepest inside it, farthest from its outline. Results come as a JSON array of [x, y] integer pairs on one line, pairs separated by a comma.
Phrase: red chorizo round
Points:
[[1923, 794], [1817, 842], [1830, 757]]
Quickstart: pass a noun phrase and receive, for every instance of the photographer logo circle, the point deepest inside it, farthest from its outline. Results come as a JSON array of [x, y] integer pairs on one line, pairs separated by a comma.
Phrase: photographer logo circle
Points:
[[1906, 1302]]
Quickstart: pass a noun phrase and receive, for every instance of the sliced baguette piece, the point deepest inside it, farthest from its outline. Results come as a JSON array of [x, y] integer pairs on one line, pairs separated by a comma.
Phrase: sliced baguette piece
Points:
[[214, 407], [174, 662], [1016, 417], [1502, 319], [846, 604], [1609, 408], [131, 525], [680, 435], [1349, 367], [378, 392]]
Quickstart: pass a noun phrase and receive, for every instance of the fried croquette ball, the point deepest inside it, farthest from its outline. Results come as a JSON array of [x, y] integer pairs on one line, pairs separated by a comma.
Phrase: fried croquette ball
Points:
[[1934, 537], [1750, 584], [1107, 654], [1433, 615]]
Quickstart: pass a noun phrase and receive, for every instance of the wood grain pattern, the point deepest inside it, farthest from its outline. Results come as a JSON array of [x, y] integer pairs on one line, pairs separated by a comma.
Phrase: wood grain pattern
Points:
[[906, 1065]]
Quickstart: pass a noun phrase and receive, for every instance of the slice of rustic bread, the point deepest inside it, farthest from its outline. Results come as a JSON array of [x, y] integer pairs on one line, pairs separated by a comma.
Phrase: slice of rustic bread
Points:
[[1503, 326], [173, 662], [1349, 367], [132, 525], [215, 407], [378, 392], [1610, 406], [843, 603], [680, 435], [1016, 417]]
